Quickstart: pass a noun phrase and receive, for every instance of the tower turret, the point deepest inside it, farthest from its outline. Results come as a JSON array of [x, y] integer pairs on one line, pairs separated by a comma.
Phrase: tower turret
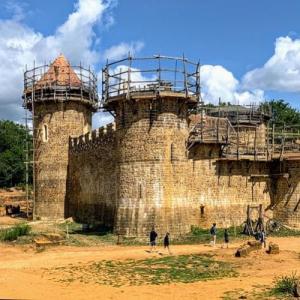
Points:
[[61, 99], [150, 98]]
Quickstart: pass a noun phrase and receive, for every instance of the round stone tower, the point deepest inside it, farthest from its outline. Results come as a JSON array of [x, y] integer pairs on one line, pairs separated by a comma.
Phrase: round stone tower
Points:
[[61, 99], [150, 99]]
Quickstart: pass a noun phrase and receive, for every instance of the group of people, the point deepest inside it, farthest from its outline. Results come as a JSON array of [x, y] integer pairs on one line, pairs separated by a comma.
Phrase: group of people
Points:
[[153, 236], [261, 236], [213, 232]]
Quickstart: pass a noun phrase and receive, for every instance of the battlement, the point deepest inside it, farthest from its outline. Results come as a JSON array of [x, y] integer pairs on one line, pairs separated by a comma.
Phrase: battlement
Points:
[[91, 140]]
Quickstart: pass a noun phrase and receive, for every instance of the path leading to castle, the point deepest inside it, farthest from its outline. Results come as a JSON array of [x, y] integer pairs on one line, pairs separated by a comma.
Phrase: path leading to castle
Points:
[[22, 273]]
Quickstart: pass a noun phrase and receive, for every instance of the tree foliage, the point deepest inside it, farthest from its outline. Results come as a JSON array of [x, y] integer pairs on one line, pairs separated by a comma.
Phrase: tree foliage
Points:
[[283, 113], [12, 154]]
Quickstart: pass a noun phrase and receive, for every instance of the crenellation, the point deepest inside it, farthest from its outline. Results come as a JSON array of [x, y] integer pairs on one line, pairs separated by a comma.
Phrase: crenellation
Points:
[[94, 139]]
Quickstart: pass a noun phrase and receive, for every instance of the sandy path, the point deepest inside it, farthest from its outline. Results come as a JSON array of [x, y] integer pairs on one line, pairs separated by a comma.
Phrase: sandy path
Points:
[[21, 274]]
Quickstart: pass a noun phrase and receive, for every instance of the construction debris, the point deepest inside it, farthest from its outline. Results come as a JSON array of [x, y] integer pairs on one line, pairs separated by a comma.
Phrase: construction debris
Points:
[[273, 248], [247, 248], [51, 239]]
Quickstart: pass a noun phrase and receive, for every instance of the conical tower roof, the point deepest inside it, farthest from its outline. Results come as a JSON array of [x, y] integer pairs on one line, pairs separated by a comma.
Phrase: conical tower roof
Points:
[[61, 73]]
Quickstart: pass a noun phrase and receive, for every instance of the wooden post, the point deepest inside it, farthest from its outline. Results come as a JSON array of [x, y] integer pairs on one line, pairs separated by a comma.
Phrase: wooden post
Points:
[[81, 82], [129, 76], [282, 141], [218, 121], [273, 138], [268, 128], [255, 137], [238, 134], [185, 77]]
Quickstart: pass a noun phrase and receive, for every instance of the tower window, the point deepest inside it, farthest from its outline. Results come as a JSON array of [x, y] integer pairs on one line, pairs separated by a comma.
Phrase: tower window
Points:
[[140, 191], [45, 133], [172, 156], [202, 211]]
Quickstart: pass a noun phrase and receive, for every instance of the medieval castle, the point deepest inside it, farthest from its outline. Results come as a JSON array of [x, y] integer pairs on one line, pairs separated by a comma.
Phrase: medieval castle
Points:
[[167, 160]]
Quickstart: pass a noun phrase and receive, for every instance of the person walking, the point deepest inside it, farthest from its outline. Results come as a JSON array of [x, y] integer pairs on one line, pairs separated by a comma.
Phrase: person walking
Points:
[[226, 238], [153, 236], [213, 233], [167, 242], [263, 238]]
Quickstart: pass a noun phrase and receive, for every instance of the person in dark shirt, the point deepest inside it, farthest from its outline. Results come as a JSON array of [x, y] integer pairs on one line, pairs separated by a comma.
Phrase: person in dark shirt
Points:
[[213, 233], [226, 238], [153, 236], [167, 242]]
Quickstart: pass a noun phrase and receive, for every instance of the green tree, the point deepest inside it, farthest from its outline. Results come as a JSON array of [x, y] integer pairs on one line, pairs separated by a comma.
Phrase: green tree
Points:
[[12, 154], [283, 113]]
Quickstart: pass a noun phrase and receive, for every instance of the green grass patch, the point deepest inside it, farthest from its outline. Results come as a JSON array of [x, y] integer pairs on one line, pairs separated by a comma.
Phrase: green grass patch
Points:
[[11, 234], [202, 235], [182, 268], [285, 232]]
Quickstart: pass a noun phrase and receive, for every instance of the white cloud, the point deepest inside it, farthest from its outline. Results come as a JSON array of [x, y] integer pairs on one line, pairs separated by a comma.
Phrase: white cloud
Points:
[[122, 50], [75, 38], [102, 118], [217, 82], [281, 72], [21, 45]]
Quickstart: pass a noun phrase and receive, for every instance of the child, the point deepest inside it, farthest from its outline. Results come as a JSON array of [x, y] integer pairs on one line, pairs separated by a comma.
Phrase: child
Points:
[[167, 242]]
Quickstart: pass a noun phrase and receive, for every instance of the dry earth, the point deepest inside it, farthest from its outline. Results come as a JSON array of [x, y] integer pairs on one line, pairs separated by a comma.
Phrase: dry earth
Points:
[[23, 276]]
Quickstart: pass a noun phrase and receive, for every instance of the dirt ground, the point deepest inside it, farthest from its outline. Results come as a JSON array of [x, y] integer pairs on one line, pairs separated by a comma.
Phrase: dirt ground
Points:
[[22, 273]]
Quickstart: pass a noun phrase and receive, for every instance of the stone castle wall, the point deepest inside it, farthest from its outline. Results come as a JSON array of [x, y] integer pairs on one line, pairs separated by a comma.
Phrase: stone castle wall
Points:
[[222, 189], [53, 127], [141, 175], [92, 177], [286, 192], [153, 165]]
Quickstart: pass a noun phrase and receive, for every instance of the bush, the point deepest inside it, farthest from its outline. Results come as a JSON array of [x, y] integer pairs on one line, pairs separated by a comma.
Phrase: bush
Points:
[[286, 284], [13, 233]]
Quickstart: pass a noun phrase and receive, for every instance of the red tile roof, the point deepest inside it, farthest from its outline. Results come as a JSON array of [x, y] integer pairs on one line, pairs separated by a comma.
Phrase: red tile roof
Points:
[[61, 73]]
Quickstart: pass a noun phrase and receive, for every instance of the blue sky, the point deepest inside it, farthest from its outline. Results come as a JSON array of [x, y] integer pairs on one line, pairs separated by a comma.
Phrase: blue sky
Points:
[[235, 40]]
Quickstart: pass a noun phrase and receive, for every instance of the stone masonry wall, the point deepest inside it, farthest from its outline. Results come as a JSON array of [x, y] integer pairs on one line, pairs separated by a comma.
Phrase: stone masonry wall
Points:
[[142, 175], [152, 162], [92, 177], [221, 189], [54, 124], [286, 193]]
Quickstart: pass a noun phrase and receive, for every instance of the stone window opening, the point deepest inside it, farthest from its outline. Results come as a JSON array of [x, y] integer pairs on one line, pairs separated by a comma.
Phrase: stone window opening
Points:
[[45, 133], [140, 191], [172, 155], [202, 210]]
